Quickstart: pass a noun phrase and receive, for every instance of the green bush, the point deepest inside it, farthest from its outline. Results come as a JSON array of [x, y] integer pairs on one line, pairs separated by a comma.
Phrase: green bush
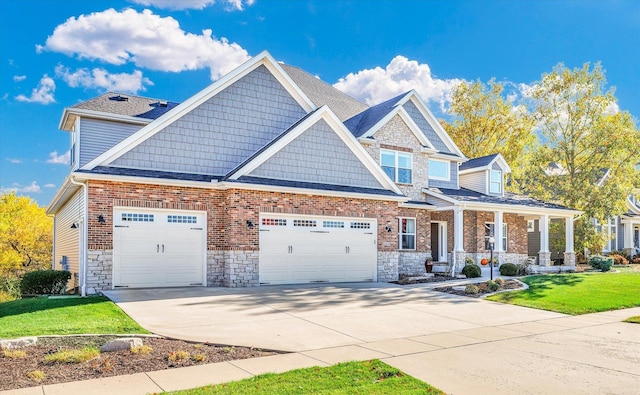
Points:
[[471, 271], [43, 282], [509, 269], [471, 289], [9, 288], [599, 262], [493, 286]]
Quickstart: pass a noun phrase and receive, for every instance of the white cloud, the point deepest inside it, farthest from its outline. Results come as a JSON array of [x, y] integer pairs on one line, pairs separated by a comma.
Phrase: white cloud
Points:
[[59, 159], [49, 186], [144, 39], [376, 85], [19, 78], [17, 188], [42, 94], [101, 78], [232, 5], [14, 160]]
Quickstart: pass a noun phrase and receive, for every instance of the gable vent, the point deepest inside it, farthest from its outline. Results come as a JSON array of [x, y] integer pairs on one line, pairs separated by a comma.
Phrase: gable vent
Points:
[[162, 103], [119, 98]]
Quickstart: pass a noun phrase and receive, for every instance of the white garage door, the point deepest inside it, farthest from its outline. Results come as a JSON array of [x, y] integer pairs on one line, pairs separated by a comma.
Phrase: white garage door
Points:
[[295, 249], [158, 248]]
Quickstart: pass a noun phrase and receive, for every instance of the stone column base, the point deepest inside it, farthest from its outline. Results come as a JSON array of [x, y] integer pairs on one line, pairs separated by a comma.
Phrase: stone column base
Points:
[[570, 258], [544, 259], [458, 261]]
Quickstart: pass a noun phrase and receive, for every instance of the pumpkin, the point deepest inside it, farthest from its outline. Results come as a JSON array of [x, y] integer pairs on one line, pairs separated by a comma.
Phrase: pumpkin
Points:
[[484, 262]]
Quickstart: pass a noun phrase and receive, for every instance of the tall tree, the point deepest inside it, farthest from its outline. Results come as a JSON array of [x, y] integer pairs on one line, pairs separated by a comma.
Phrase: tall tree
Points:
[[485, 123], [25, 236], [590, 149]]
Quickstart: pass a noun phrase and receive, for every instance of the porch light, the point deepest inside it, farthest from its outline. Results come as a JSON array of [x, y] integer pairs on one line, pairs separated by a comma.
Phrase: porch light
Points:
[[101, 219], [249, 224], [74, 226]]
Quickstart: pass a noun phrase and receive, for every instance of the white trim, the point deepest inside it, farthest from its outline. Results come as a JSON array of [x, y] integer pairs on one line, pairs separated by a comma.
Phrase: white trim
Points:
[[338, 127], [435, 178], [490, 182], [404, 115], [431, 119], [182, 109], [396, 166], [501, 162], [418, 206], [81, 112], [415, 234]]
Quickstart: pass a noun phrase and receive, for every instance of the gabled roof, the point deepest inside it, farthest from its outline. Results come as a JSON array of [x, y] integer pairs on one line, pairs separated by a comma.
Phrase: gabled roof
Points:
[[364, 121], [321, 93], [484, 163], [263, 59]]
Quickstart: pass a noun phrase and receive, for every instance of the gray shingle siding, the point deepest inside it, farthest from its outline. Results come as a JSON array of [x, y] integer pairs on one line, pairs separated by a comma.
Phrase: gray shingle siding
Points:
[[222, 132], [422, 123], [318, 155], [452, 183], [98, 136]]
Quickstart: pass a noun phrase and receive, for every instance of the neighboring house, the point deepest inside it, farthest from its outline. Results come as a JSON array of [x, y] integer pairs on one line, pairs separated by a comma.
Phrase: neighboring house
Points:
[[624, 230], [271, 176]]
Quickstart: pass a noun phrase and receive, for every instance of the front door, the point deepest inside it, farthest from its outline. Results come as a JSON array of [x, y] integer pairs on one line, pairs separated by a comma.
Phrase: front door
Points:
[[439, 241]]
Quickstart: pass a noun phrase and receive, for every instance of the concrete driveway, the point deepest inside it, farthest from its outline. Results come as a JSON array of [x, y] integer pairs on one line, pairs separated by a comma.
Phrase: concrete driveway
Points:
[[458, 344]]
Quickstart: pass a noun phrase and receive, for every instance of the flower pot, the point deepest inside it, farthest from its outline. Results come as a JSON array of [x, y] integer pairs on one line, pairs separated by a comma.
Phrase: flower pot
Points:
[[428, 267]]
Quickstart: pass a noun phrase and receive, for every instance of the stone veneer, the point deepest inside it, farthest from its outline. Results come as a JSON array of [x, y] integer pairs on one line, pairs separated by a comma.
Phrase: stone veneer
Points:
[[387, 266], [411, 263], [99, 270]]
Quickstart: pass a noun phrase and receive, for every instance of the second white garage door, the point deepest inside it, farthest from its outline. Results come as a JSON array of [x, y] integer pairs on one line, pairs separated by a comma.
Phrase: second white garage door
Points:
[[296, 249], [158, 248]]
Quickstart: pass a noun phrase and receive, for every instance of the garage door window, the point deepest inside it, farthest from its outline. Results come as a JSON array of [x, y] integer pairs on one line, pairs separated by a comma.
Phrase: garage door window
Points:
[[274, 222], [407, 234], [306, 223], [135, 217], [360, 225], [332, 224], [182, 219]]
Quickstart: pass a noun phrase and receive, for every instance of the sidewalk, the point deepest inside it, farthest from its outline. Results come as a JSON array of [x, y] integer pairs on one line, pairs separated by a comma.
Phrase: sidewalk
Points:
[[567, 345]]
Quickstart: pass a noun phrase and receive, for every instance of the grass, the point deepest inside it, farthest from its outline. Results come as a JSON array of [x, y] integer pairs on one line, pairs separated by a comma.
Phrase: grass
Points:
[[44, 316], [633, 320], [73, 356], [577, 293], [368, 377]]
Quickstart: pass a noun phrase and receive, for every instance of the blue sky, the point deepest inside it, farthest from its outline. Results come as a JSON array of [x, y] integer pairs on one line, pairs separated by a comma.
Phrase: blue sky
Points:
[[56, 53]]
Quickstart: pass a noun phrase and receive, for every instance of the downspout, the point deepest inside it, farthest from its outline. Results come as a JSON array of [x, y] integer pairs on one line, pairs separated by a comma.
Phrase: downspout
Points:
[[84, 236], [53, 247]]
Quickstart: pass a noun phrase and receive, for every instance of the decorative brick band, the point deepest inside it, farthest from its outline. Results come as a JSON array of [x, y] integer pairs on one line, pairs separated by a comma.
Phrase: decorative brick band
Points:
[[160, 205], [395, 148], [331, 213]]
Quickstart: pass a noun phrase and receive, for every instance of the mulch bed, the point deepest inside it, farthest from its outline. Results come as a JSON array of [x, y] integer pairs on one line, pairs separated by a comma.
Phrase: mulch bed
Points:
[[483, 289], [437, 278], [13, 371]]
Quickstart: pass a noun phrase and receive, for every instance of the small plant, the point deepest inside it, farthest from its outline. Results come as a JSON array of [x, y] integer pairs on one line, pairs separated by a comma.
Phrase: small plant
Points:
[[602, 263], [523, 269], [619, 259], [141, 349], [73, 356], [469, 261], [472, 271], [102, 365], [44, 282], [15, 353], [175, 356], [198, 357], [471, 289], [500, 281], [509, 269], [36, 375], [228, 350], [493, 286]]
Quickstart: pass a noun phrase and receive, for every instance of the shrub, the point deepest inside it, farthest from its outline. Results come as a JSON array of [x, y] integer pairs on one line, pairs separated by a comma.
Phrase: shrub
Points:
[[509, 269], [500, 281], [469, 261], [15, 354], [472, 271], [493, 286], [619, 259], [72, 356], [42, 282], [471, 289], [599, 262], [179, 355], [36, 375], [523, 269], [9, 288], [144, 349]]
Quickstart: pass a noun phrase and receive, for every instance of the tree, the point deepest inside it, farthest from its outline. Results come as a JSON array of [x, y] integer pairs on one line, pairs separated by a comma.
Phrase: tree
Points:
[[592, 146], [486, 123], [25, 236]]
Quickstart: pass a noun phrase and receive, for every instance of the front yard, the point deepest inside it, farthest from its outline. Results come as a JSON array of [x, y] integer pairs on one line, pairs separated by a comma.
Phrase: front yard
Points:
[[577, 293]]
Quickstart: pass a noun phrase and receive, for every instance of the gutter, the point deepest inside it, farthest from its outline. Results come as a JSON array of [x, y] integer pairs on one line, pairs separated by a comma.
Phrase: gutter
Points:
[[84, 236]]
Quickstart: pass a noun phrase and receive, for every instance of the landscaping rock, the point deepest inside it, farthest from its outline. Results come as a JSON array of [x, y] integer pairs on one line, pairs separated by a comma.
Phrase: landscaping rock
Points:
[[125, 343], [20, 342]]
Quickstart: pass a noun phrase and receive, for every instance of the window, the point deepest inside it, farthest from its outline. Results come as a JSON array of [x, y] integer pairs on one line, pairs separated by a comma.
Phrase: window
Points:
[[489, 231], [495, 181], [531, 225], [407, 233], [610, 228], [332, 224], [360, 225], [305, 223], [274, 222], [397, 165], [135, 217], [439, 170], [182, 219]]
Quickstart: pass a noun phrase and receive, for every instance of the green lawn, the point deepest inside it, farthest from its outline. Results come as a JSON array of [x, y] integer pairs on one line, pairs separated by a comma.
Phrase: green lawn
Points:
[[44, 316], [577, 293], [369, 377], [634, 320]]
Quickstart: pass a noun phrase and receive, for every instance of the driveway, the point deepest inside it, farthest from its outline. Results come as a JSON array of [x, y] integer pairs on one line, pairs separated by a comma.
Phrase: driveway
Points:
[[458, 344]]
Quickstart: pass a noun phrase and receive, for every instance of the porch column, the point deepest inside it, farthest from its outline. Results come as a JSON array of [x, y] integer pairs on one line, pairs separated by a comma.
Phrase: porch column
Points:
[[545, 255], [628, 235], [497, 231], [458, 241], [569, 254]]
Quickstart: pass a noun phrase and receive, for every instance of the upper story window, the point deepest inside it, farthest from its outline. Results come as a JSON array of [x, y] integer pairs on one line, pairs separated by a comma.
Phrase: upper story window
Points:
[[397, 165], [495, 181], [439, 170]]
